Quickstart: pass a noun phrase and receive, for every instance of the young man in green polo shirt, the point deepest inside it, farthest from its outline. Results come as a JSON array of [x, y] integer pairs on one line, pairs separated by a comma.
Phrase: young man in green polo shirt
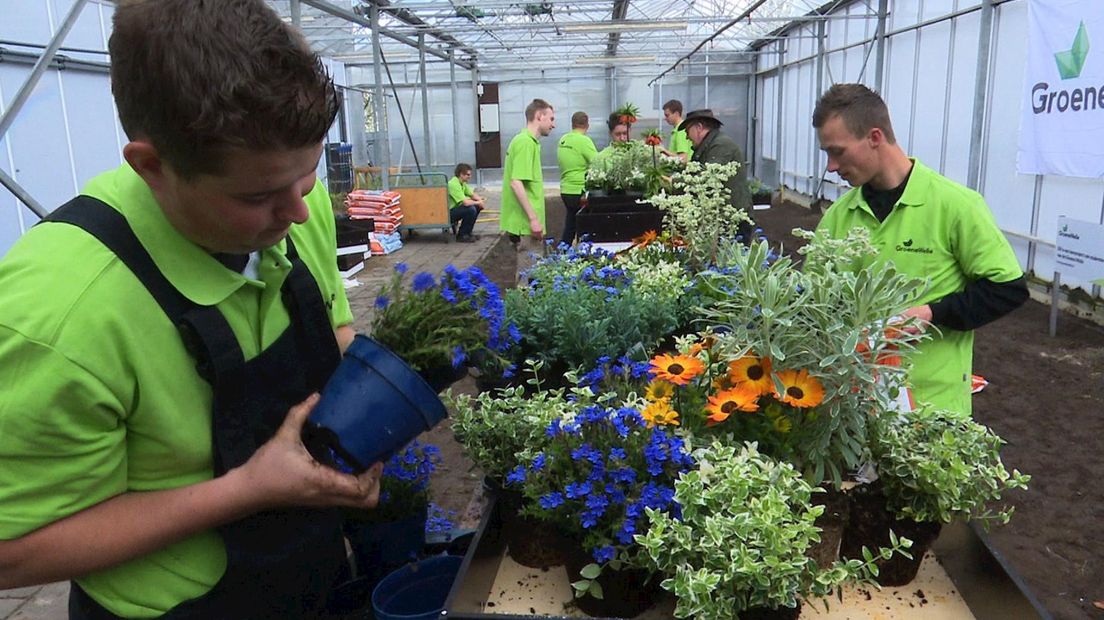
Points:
[[679, 145], [574, 155], [464, 204], [930, 227], [522, 214], [162, 337]]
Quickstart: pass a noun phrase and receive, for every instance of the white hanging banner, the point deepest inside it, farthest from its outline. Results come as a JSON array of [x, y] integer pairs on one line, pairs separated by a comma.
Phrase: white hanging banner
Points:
[[1062, 116]]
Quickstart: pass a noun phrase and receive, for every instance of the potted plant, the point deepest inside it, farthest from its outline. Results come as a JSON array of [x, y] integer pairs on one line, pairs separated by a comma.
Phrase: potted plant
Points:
[[394, 533], [739, 547], [760, 193], [933, 466], [498, 430], [598, 474], [581, 305], [439, 325]]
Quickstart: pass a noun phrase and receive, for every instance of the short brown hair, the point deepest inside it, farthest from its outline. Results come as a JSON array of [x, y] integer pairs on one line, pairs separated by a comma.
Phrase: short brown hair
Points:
[[198, 77], [673, 105], [461, 168], [580, 119], [860, 108], [615, 120], [535, 106]]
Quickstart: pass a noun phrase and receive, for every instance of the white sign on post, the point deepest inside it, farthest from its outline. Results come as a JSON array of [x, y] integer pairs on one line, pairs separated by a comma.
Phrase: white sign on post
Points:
[[1080, 251]]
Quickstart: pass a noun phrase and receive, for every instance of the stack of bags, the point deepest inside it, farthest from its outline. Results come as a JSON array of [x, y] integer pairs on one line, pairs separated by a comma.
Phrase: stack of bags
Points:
[[384, 210]]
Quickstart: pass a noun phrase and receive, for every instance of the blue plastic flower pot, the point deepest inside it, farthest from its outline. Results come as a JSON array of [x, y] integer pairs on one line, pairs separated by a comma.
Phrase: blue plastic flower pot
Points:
[[417, 591], [372, 406]]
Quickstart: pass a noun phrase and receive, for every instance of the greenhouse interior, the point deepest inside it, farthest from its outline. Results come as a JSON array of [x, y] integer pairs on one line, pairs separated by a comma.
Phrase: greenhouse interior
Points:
[[493, 310]]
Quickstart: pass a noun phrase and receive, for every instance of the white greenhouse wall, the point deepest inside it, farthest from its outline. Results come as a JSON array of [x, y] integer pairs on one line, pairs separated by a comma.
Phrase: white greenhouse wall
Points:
[[929, 83]]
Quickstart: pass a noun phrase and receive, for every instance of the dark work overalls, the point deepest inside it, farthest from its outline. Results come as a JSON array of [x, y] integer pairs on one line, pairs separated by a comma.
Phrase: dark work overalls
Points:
[[280, 563]]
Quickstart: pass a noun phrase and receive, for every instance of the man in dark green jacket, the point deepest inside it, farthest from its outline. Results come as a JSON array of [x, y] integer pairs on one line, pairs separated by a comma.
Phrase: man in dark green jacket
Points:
[[713, 147]]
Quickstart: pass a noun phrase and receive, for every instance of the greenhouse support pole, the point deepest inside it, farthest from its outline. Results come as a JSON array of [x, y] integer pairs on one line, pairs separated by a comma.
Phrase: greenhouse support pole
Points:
[[476, 126], [1054, 289], [981, 86], [425, 100], [779, 142], [818, 170], [20, 193], [455, 108], [382, 143], [706, 87], [296, 13], [880, 38], [1036, 199], [40, 67]]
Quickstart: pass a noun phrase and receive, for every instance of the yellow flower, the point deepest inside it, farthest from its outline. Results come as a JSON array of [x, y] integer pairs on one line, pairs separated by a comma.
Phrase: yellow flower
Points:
[[799, 389], [660, 413], [728, 402], [659, 390], [782, 424], [754, 371], [678, 369]]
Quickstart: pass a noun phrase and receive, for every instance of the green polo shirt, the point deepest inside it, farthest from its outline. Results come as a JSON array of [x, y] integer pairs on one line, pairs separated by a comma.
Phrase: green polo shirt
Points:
[[457, 192], [943, 232], [574, 154], [680, 143], [100, 396], [523, 163]]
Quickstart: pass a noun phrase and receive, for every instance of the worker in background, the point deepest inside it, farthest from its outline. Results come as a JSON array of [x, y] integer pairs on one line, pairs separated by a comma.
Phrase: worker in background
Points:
[[712, 146], [522, 214], [575, 152], [679, 144], [464, 203]]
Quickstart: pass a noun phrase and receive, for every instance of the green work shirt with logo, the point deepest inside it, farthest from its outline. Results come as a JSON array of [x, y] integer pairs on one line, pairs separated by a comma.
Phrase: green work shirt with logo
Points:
[[523, 163], [574, 154], [680, 143], [457, 192], [945, 233], [100, 395]]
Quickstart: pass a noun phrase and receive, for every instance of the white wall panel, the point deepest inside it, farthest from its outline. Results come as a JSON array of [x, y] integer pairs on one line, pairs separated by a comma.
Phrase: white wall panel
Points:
[[926, 131], [960, 100], [900, 76], [903, 13]]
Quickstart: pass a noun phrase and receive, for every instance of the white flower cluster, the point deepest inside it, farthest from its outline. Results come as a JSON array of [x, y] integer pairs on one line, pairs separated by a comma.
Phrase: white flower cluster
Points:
[[699, 207]]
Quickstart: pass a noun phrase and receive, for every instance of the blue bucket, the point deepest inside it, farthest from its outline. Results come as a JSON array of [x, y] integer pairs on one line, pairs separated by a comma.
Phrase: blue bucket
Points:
[[372, 406], [417, 591]]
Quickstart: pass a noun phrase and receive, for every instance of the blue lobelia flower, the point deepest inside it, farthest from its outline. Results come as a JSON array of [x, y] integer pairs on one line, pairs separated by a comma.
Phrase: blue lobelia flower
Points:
[[382, 302], [516, 476], [604, 554], [401, 267], [423, 282], [458, 356], [551, 500]]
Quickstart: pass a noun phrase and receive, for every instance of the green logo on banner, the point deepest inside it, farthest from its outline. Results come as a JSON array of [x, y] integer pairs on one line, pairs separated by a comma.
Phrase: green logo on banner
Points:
[[1071, 61]]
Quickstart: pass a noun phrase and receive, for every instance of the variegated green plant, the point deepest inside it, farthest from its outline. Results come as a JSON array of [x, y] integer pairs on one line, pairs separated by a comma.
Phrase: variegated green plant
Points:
[[698, 209]]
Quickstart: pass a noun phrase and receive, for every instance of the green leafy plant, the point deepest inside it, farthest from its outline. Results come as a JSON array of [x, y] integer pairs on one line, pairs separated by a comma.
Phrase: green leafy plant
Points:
[[937, 466], [502, 428], [828, 321], [443, 322], [630, 167], [581, 305], [699, 210], [747, 522]]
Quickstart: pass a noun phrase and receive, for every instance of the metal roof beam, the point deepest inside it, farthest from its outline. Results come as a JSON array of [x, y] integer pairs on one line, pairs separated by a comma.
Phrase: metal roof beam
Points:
[[357, 19], [620, 9]]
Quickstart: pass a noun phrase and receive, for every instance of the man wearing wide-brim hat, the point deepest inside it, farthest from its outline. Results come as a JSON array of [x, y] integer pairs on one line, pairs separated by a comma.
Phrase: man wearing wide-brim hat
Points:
[[711, 146]]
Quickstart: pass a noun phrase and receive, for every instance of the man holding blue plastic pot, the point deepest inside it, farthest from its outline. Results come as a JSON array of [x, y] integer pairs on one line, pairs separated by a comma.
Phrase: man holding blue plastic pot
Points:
[[162, 336]]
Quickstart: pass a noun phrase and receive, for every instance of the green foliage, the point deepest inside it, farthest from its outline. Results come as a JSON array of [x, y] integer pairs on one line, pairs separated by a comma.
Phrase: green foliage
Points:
[[630, 167], [698, 209], [937, 466], [337, 201], [747, 522], [828, 319], [501, 429], [581, 306]]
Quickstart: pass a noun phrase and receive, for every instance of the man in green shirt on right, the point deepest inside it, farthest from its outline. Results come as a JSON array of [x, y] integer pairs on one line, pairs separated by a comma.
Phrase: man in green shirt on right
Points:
[[679, 145], [574, 155], [931, 228], [522, 215]]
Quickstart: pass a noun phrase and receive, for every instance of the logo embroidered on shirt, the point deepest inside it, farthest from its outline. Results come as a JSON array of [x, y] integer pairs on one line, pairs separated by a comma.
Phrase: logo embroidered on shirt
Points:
[[906, 246]]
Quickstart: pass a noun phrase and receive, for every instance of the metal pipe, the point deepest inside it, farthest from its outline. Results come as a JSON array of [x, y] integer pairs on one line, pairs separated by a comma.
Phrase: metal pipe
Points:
[[981, 88], [22, 194], [377, 30], [880, 37], [455, 111], [296, 14], [742, 16], [1036, 198], [382, 142], [59, 62], [40, 67], [425, 103]]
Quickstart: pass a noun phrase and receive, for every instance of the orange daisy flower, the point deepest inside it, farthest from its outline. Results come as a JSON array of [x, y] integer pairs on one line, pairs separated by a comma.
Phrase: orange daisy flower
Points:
[[799, 389], [705, 344], [725, 403], [660, 413], [754, 371], [678, 369]]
